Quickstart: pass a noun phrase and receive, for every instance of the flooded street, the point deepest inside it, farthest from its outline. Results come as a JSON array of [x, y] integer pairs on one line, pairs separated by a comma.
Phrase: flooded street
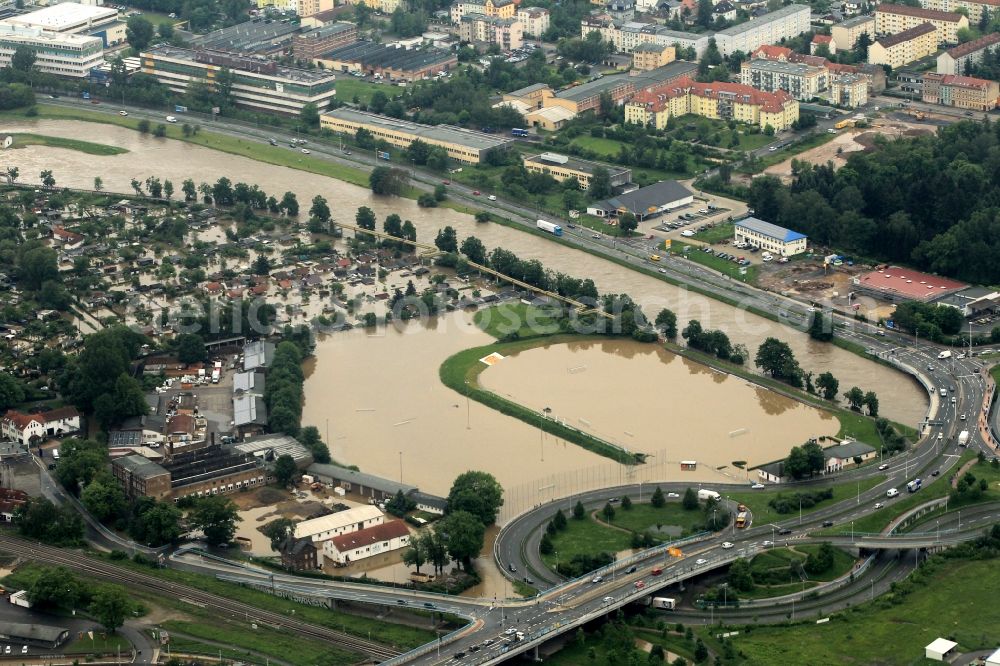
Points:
[[385, 409]]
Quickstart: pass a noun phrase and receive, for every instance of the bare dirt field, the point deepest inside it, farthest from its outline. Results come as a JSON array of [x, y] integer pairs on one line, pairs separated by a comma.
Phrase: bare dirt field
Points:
[[847, 142]]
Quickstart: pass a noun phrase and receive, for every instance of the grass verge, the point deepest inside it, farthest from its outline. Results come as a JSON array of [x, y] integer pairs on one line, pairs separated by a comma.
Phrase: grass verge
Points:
[[398, 636], [102, 643], [460, 373], [709, 260], [888, 632], [719, 232], [520, 319], [763, 514], [70, 144], [586, 537], [261, 640]]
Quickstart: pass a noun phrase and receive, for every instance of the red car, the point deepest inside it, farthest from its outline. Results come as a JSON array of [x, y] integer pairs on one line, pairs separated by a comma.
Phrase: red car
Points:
[[639, 584], [476, 192], [446, 182], [657, 571]]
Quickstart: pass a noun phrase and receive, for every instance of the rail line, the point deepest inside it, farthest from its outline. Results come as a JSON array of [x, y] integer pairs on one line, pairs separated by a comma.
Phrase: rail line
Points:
[[82, 563]]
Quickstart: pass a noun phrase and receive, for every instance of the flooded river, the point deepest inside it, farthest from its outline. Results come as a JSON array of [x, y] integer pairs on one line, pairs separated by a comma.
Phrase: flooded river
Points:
[[382, 396]]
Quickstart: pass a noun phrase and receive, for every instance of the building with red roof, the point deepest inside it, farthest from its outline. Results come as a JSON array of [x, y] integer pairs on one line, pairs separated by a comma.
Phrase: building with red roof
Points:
[[10, 500], [371, 541], [822, 40], [33, 428], [718, 99], [904, 284], [963, 92]]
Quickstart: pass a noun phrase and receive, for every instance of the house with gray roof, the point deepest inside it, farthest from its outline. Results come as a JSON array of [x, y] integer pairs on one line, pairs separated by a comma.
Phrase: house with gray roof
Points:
[[645, 202]]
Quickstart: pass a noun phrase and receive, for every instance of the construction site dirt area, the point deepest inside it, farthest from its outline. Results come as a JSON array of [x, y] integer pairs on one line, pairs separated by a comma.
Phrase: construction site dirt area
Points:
[[830, 285], [850, 140]]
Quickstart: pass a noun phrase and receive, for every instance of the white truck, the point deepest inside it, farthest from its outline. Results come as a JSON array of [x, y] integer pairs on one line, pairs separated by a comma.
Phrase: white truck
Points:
[[216, 375], [20, 598], [549, 227], [704, 494], [664, 603], [963, 438], [944, 354]]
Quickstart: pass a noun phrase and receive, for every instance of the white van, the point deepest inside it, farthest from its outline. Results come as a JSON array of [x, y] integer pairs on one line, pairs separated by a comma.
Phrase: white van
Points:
[[55, 454], [892, 492], [171, 119]]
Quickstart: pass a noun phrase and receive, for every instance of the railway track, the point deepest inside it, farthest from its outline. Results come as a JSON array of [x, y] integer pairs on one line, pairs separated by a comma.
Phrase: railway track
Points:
[[78, 562]]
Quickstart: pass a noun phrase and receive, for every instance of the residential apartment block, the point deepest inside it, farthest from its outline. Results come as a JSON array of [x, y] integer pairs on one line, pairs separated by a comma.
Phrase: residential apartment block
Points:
[[504, 9], [892, 19], [850, 90], [846, 33], [959, 59], [974, 8], [55, 53], [384, 6], [785, 23], [506, 33], [650, 56], [963, 92], [904, 47], [534, 19], [313, 7], [716, 100], [461, 144], [801, 81], [562, 167], [257, 84], [625, 37]]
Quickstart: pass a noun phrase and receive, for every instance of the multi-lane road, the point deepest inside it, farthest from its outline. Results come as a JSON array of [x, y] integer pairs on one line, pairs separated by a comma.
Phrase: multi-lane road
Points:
[[499, 629]]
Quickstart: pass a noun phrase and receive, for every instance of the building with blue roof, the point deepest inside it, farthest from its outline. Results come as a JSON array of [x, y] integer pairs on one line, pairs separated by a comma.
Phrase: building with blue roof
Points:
[[779, 240]]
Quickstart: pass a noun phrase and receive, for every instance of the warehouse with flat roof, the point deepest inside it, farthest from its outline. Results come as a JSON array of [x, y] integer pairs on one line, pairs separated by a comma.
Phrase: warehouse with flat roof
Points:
[[904, 284], [462, 145]]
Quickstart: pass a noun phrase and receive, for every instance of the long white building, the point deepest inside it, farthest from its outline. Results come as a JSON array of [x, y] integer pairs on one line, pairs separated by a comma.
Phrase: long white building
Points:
[[55, 53], [771, 28]]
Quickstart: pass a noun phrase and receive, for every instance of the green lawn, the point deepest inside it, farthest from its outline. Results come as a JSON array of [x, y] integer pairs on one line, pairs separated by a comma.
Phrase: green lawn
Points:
[[708, 260], [262, 640], [716, 133], [349, 87], [70, 144], [986, 471], [606, 147], [717, 233], [527, 321], [278, 155], [102, 643], [400, 636], [957, 601], [842, 562], [577, 653], [757, 500], [586, 537], [645, 517]]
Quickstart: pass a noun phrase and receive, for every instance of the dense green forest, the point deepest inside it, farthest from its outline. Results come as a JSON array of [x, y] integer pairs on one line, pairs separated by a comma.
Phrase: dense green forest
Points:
[[930, 201]]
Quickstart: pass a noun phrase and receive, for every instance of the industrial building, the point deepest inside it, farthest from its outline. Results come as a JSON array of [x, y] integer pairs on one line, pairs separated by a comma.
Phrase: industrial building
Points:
[[56, 53], [212, 470], [259, 36], [771, 237], [37, 635], [71, 18], [272, 446], [958, 60], [770, 28], [891, 19], [366, 485], [257, 84], [963, 92], [896, 284], [462, 145], [718, 100], [257, 355], [562, 167], [904, 47], [645, 202], [388, 62], [313, 43]]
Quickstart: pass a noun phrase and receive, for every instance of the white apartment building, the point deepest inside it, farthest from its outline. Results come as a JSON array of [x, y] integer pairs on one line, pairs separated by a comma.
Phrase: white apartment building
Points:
[[771, 28], [55, 52], [534, 19]]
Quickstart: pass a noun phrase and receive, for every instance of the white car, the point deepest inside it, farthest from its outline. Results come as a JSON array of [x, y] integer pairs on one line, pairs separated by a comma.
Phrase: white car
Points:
[[767, 543], [726, 545], [171, 119], [883, 466], [24, 649], [673, 495], [596, 579], [879, 505], [687, 233], [940, 436], [305, 151], [123, 113], [510, 631], [703, 211], [492, 197], [700, 561], [758, 486], [772, 149]]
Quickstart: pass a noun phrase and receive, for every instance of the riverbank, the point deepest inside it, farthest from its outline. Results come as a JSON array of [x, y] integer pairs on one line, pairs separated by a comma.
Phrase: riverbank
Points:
[[24, 140]]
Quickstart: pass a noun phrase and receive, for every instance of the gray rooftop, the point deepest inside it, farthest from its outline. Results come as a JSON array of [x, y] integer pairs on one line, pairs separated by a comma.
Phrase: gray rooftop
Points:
[[527, 90], [651, 196], [290, 73], [796, 68], [669, 72], [248, 36], [371, 54], [776, 15], [257, 354], [770, 230], [327, 30], [249, 382], [447, 133], [847, 450], [140, 467], [855, 21], [574, 163], [594, 88], [270, 447], [338, 473], [679, 35], [249, 410], [37, 633]]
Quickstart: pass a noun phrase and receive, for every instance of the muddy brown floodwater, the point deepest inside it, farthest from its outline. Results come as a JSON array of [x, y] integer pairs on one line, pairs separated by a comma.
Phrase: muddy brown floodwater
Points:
[[382, 395]]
